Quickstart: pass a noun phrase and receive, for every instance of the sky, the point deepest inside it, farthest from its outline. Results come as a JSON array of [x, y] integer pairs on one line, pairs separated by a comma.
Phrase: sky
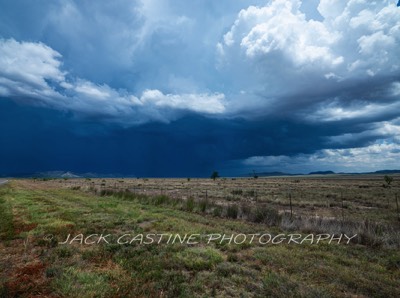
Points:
[[176, 88]]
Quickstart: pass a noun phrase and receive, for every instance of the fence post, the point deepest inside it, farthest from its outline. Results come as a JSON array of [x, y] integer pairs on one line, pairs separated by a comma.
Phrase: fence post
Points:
[[341, 195], [398, 210], [291, 209]]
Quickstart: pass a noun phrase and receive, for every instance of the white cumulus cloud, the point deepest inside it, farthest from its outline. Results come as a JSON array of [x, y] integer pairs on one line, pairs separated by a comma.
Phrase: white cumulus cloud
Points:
[[27, 68], [32, 72], [277, 52], [363, 159]]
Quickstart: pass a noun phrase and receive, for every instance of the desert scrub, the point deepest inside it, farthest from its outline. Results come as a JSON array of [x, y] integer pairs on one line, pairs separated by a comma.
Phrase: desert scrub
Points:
[[232, 211], [217, 211], [237, 192], [189, 206], [161, 200], [193, 271], [264, 214], [203, 205]]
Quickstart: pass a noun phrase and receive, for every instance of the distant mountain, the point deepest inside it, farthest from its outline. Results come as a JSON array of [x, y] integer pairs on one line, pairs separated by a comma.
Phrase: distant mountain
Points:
[[387, 172], [380, 172], [278, 174], [271, 174], [322, 173], [65, 174], [48, 174], [69, 174], [56, 174]]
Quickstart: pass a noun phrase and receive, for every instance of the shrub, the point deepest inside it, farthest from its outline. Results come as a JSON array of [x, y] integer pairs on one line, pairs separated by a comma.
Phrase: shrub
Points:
[[250, 193], [388, 180], [217, 211], [203, 205], [237, 192], [160, 200], [189, 204], [106, 192], [246, 210], [263, 214], [232, 211]]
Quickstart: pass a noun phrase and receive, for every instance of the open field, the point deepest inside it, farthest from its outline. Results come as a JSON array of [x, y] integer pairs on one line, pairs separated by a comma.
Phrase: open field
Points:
[[336, 196], [34, 264]]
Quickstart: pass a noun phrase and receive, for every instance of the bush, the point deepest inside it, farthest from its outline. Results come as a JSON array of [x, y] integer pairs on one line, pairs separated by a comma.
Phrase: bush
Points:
[[237, 192], [203, 205], [232, 211], [250, 193], [263, 214], [217, 211], [106, 192], [246, 210], [189, 204], [160, 200]]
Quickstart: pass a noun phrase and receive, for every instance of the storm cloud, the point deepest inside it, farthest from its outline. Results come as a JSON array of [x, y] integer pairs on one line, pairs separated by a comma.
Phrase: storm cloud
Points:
[[182, 88]]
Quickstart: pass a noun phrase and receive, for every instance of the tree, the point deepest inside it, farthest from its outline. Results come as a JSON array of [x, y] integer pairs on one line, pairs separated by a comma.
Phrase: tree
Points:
[[255, 176], [214, 175], [388, 180]]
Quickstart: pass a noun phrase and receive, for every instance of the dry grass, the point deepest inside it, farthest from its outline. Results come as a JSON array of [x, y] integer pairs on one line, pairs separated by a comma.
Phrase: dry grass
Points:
[[332, 204], [34, 266], [359, 197]]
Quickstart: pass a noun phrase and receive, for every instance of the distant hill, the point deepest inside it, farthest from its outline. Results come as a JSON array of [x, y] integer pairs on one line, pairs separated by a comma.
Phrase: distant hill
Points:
[[56, 174], [65, 174], [271, 174], [69, 174], [380, 172], [277, 174], [322, 173], [387, 172], [48, 174]]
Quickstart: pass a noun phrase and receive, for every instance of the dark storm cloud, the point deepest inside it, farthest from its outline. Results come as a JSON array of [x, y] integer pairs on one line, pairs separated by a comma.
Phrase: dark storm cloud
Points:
[[183, 87], [38, 139]]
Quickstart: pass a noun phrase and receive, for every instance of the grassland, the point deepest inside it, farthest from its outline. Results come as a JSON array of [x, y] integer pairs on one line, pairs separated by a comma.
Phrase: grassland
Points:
[[34, 264]]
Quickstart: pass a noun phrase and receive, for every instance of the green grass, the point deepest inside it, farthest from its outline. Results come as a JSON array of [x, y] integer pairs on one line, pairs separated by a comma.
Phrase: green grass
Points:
[[179, 270], [77, 283], [6, 216], [199, 258]]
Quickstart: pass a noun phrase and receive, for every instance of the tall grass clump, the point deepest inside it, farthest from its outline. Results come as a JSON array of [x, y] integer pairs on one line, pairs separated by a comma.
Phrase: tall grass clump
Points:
[[232, 211], [203, 205], [160, 200], [264, 214], [189, 205]]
